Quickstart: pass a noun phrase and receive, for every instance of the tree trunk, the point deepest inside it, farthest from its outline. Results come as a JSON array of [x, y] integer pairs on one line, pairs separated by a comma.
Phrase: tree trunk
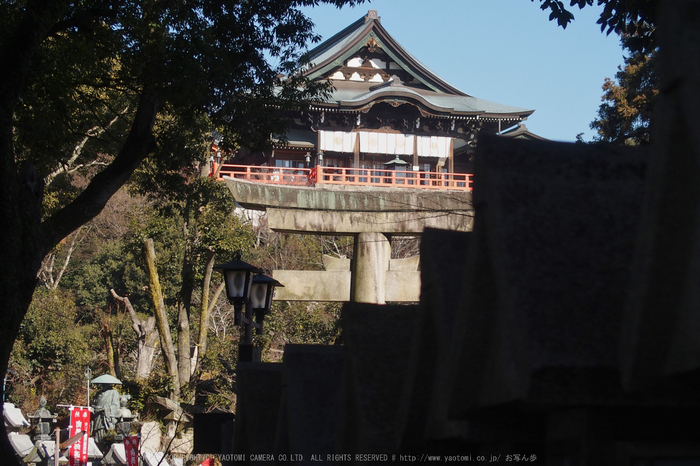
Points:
[[183, 344], [112, 356], [147, 338], [25, 238], [183, 315], [22, 253], [205, 308], [146, 348], [21, 191], [166, 341]]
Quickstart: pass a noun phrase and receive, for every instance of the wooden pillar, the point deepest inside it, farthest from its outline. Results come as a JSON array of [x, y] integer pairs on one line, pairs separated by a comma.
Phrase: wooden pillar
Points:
[[356, 160], [415, 151], [451, 157]]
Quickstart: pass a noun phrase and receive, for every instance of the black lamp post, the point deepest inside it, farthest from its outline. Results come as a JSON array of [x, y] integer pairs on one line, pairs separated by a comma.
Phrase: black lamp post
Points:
[[252, 293], [238, 276]]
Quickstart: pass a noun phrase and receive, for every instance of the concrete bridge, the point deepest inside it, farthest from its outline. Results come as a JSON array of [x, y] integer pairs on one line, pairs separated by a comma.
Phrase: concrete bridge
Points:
[[372, 215]]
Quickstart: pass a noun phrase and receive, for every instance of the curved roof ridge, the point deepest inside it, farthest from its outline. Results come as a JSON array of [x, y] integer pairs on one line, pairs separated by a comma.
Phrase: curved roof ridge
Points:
[[459, 104], [420, 66], [338, 37], [350, 40], [397, 92]]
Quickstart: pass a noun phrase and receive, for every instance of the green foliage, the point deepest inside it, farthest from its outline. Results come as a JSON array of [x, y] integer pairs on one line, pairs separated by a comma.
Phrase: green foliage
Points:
[[114, 266], [634, 19], [627, 111], [82, 92], [210, 64], [158, 384], [196, 217], [202, 206], [166, 232], [82, 84], [188, 217], [215, 387], [115, 324], [299, 323], [52, 352], [61, 192]]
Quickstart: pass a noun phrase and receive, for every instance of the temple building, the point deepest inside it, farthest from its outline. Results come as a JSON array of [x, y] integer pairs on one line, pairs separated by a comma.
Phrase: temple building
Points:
[[386, 110]]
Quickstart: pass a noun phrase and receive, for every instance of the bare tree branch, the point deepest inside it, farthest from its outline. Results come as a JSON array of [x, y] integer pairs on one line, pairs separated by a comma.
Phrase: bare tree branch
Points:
[[139, 143], [46, 272], [215, 298], [135, 322]]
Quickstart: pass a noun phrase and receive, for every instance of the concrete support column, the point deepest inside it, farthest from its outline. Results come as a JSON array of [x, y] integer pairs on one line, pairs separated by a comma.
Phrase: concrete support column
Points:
[[370, 266]]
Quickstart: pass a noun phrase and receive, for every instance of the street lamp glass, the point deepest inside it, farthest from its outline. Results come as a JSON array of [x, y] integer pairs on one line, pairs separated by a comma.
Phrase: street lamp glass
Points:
[[261, 294], [238, 275], [258, 295], [235, 283]]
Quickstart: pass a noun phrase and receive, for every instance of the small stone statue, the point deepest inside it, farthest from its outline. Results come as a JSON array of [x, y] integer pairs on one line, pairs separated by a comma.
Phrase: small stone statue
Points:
[[123, 412], [43, 419], [42, 412], [124, 418]]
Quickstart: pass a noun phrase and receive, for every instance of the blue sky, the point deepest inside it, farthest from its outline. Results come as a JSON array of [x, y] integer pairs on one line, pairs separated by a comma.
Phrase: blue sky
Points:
[[506, 51]]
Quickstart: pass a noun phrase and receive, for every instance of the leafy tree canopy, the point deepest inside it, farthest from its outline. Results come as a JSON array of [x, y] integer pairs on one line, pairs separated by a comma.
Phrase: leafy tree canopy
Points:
[[80, 72], [629, 101], [634, 19], [106, 83], [51, 353], [626, 114]]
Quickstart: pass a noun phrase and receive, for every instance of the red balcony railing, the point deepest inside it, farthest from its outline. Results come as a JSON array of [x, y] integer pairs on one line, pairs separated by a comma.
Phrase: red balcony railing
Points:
[[393, 178], [348, 177], [270, 175]]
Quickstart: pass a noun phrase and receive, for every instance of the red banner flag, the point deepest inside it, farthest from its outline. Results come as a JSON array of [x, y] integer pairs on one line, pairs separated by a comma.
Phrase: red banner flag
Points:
[[131, 450], [79, 422]]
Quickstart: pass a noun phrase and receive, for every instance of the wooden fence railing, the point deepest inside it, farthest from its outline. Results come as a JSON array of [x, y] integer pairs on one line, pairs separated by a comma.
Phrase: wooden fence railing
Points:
[[348, 176]]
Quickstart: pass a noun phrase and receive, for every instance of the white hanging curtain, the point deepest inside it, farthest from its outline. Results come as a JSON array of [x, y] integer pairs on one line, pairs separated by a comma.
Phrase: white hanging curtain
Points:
[[433, 146], [337, 141], [385, 143]]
